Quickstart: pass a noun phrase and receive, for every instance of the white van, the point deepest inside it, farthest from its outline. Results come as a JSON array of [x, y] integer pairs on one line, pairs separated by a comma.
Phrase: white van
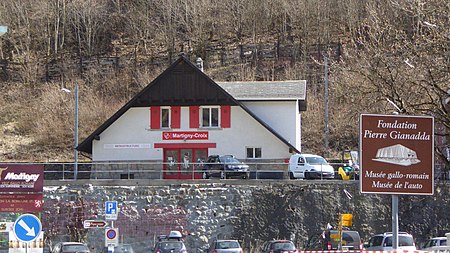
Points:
[[309, 166]]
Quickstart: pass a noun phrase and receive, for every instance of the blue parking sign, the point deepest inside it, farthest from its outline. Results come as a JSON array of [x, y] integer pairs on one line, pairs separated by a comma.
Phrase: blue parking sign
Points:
[[111, 210]]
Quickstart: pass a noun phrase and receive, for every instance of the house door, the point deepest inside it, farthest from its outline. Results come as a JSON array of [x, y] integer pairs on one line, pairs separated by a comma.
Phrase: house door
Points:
[[183, 163]]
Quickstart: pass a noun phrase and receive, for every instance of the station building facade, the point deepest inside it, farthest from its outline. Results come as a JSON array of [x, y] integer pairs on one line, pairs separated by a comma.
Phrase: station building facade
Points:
[[183, 116]]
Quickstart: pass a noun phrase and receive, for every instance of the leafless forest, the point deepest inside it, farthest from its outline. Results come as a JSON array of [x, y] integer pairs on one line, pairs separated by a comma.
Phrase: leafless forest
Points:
[[378, 51]]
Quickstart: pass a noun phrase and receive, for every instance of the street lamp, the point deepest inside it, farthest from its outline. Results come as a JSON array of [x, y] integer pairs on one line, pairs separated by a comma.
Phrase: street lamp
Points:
[[75, 153]]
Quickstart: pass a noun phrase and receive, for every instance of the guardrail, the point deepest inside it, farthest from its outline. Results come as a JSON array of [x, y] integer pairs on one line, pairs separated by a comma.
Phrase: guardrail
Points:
[[372, 251], [159, 170]]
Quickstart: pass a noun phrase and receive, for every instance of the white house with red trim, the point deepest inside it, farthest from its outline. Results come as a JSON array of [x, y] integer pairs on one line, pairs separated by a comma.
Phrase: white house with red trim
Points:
[[184, 116]]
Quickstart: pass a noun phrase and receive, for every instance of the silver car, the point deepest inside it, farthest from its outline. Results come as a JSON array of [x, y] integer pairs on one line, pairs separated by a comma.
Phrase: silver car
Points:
[[225, 246], [383, 242]]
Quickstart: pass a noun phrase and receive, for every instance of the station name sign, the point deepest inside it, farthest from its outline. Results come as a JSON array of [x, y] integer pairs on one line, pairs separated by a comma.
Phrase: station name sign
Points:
[[202, 135], [397, 154], [21, 178]]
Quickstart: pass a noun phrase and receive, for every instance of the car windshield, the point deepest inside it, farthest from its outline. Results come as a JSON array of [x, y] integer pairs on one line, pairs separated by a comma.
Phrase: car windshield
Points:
[[316, 160], [376, 241], [402, 241], [171, 245], [227, 245], [75, 248], [430, 243], [283, 246], [229, 159], [347, 237]]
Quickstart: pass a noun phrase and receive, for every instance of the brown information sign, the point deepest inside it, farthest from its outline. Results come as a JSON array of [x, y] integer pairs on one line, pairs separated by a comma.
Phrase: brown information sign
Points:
[[20, 203], [21, 178], [397, 154]]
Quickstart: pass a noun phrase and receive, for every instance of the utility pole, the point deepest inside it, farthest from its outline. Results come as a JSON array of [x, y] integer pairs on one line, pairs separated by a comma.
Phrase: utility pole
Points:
[[75, 152], [75, 131], [325, 98]]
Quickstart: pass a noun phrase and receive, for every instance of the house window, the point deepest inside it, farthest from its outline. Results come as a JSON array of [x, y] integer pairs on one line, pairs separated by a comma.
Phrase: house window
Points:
[[210, 116], [253, 152], [165, 117]]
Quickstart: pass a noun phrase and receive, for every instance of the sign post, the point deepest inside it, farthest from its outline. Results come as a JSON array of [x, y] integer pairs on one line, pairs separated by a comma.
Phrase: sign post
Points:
[[397, 157]]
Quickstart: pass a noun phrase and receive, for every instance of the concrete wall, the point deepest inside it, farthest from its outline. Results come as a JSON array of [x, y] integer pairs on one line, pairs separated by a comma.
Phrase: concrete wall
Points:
[[252, 211]]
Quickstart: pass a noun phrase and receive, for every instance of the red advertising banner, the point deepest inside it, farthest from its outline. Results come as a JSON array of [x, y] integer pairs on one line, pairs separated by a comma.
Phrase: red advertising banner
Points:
[[21, 202], [397, 154], [185, 135], [21, 178]]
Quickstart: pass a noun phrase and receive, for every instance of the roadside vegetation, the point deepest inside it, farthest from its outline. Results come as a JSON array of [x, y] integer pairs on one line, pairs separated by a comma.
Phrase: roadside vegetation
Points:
[[377, 51]]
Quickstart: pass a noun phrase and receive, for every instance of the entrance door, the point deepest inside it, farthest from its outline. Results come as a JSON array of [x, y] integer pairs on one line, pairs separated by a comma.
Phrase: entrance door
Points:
[[183, 163], [171, 165]]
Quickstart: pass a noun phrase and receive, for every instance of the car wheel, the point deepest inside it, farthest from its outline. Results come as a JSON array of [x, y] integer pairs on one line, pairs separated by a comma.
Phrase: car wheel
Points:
[[307, 175], [291, 175], [223, 175], [245, 176]]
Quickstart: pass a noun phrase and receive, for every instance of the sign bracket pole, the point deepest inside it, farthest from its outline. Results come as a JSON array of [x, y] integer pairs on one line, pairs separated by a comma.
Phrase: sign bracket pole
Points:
[[395, 221]]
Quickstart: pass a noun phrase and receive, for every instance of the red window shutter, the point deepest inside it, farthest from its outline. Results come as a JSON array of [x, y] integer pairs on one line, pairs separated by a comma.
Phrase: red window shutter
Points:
[[175, 116], [225, 116], [194, 116], [155, 117]]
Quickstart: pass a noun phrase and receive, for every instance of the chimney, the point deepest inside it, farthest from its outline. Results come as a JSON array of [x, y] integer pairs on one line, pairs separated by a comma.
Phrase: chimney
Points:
[[199, 63]]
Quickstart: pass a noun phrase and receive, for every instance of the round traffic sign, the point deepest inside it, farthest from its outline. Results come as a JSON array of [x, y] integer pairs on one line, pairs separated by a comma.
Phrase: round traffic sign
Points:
[[111, 234], [27, 227]]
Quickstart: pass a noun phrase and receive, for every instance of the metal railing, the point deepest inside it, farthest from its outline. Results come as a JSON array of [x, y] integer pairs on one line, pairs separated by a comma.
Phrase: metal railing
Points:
[[157, 170], [161, 170]]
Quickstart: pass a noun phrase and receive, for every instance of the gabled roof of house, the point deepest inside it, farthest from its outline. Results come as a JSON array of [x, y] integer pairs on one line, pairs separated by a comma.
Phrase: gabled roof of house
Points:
[[182, 84], [267, 90]]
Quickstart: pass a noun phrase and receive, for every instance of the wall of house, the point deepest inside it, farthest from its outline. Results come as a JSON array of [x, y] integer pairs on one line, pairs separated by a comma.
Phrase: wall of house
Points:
[[132, 131], [282, 116]]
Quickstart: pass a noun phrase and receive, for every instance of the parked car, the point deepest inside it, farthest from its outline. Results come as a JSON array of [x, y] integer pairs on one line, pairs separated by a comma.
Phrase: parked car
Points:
[[279, 246], [225, 166], [309, 167], [330, 240], [70, 247], [170, 244], [225, 246], [122, 248], [436, 244], [384, 242]]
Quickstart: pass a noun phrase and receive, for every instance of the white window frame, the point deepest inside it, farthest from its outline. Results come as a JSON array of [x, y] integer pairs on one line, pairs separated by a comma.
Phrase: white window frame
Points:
[[210, 116], [169, 116], [253, 152]]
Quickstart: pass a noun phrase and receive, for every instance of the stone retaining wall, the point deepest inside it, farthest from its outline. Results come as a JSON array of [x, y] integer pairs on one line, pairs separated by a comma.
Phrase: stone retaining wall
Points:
[[251, 211]]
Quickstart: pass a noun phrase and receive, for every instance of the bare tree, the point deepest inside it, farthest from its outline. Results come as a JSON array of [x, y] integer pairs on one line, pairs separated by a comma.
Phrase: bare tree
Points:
[[400, 55], [87, 19]]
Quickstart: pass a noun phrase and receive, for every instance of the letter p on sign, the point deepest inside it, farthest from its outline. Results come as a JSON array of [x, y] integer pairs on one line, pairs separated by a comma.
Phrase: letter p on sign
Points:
[[111, 210]]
